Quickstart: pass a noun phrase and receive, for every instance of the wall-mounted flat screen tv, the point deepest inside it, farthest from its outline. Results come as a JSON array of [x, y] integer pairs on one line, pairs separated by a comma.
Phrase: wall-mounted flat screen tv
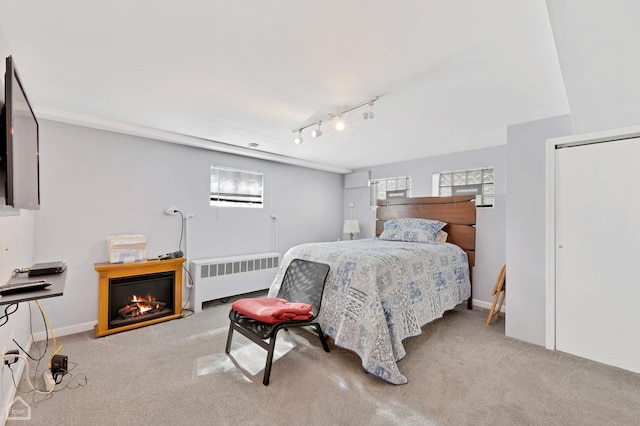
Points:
[[20, 149]]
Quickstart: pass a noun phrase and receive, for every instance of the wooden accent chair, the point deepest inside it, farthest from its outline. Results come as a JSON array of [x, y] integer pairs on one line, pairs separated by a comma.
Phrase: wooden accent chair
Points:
[[499, 291], [303, 282]]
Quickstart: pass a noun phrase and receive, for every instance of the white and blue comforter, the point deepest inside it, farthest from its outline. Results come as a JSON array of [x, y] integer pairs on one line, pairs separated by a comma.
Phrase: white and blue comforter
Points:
[[380, 292]]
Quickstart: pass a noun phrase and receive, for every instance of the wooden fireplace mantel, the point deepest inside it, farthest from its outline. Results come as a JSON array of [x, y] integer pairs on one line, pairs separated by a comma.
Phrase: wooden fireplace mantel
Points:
[[107, 271]]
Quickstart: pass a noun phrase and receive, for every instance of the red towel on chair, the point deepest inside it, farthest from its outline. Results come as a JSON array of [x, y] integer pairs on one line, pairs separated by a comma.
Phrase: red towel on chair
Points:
[[272, 309]]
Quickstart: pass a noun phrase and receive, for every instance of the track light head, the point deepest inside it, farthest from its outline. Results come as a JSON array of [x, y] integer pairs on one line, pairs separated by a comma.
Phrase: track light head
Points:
[[298, 139], [368, 115], [340, 124], [317, 132]]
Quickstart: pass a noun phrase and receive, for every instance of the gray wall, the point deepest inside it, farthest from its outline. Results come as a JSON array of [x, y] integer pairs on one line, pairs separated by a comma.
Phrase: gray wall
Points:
[[97, 183], [490, 228], [526, 224]]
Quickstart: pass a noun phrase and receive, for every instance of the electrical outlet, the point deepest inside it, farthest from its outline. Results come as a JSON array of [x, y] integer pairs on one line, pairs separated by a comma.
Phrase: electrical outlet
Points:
[[11, 356], [171, 210]]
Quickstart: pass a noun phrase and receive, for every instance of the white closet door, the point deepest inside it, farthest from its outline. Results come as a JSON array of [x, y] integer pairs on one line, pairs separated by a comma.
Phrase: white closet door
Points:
[[597, 252]]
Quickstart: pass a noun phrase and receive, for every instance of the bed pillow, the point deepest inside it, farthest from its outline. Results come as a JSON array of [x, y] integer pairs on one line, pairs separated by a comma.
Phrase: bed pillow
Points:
[[441, 237], [412, 230]]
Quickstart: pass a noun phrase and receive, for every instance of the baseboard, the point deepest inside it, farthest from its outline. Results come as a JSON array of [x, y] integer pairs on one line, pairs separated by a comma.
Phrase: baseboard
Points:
[[65, 331], [487, 305]]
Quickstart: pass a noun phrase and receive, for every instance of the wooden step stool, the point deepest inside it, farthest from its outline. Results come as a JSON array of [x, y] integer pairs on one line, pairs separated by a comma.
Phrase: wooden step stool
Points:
[[499, 291]]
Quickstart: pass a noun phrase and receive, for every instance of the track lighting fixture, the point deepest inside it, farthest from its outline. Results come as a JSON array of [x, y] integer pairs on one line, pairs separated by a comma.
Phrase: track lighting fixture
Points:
[[339, 124], [317, 132]]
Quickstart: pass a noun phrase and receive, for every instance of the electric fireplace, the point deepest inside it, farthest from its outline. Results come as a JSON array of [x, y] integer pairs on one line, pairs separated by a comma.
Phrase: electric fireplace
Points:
[[140, 298], [133, 295]]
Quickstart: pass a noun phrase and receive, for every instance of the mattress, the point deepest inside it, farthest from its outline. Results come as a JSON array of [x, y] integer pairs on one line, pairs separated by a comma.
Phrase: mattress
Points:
[[378, 293]]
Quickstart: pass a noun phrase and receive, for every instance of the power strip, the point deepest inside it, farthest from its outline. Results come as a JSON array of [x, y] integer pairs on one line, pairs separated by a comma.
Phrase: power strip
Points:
[[49, 383]]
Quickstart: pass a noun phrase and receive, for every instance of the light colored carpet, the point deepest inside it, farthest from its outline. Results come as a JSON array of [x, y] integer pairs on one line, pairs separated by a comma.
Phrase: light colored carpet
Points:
[[461, 372]]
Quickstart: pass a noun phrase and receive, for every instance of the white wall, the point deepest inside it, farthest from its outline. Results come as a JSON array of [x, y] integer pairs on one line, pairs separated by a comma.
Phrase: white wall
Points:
[[490, 226], [16, 232], [97, 183], [597, 45], [526, 225]]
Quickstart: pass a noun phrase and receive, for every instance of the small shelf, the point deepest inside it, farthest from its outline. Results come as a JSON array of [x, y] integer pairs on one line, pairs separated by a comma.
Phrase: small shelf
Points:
[[55, 289]]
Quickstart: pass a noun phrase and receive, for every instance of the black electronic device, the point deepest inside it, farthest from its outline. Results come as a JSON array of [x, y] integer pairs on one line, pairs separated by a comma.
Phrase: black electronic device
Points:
[[172, 255], [47, 268], [23, 286], [59, 364], [19, 145]]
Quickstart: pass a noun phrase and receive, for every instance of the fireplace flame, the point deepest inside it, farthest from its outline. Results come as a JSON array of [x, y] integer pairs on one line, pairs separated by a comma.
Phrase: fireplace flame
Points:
[[139, 305], [144, 304]]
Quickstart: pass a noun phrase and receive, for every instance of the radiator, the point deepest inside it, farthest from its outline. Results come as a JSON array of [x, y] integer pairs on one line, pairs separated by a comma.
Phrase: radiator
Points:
[[222, 277]]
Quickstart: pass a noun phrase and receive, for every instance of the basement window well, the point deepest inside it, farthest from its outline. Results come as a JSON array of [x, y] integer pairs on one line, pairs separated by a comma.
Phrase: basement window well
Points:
[[236, 188], [478, 182], [389, 188]]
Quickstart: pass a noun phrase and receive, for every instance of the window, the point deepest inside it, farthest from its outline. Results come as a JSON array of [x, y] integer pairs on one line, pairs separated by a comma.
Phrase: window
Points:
[[478, 182], [383, 189], [236, 188]]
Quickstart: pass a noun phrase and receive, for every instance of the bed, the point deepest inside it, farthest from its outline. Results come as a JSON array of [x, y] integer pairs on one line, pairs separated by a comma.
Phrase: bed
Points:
[[380, 292]]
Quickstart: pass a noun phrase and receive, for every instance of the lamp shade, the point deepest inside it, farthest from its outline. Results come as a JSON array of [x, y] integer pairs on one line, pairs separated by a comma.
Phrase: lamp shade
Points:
[[351, 226]]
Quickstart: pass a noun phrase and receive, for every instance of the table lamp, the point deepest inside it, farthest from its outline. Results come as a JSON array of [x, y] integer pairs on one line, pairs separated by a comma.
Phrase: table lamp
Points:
[[351, 226]]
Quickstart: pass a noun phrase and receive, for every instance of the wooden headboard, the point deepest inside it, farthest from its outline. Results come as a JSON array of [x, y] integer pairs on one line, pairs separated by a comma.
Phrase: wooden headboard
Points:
[[459, 212]]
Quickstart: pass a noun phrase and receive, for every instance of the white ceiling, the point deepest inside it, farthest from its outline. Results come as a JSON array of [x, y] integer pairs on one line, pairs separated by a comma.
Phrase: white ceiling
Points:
[[451, 75]]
